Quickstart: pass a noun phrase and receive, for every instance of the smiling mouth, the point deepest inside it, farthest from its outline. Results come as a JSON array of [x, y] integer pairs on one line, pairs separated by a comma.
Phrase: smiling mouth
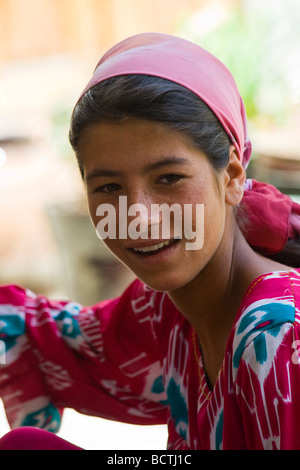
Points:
[[154, 249]]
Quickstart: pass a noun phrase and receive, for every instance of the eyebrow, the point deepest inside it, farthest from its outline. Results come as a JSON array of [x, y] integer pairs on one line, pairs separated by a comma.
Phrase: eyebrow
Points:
[[98, 172]]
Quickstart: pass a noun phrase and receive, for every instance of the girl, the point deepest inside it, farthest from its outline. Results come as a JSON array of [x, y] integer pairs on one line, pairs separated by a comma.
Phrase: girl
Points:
[[204, 340]]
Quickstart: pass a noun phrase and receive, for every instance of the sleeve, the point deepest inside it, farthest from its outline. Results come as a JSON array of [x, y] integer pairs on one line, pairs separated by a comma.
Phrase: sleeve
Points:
[[99, 360], [267, 388]]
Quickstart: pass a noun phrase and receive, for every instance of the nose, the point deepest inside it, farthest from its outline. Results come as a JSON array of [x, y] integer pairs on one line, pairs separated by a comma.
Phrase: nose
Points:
[[141, 214], [142, 200]]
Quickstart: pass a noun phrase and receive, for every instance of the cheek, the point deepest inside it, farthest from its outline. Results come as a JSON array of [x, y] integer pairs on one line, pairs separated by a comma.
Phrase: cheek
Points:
[[214, 224], [111, 226], [208, 206], [207, 223], [92, 207]]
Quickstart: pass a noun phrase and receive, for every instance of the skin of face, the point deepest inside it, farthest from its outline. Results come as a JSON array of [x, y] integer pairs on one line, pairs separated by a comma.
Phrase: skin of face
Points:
[[150, 163]]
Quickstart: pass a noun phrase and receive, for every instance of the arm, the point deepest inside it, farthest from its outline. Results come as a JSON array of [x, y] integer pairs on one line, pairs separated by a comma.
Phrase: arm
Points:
[[99, 360]]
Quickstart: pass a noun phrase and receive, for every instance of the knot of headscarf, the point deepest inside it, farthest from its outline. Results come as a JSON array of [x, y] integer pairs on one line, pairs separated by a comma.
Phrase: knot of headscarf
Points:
[[272, 217]]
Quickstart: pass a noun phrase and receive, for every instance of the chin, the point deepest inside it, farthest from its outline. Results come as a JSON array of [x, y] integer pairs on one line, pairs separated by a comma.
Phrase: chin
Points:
[[162, 283]]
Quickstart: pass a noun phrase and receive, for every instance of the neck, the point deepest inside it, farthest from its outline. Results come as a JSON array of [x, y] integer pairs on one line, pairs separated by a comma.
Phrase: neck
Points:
[[202, 301], [210, 302]]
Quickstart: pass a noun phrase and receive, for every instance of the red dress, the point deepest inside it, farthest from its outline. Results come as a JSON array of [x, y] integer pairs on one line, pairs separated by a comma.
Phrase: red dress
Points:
[[136, 359]]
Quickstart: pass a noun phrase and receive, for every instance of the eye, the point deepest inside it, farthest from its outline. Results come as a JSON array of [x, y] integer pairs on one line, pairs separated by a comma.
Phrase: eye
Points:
[[170, 178], [108, 188]]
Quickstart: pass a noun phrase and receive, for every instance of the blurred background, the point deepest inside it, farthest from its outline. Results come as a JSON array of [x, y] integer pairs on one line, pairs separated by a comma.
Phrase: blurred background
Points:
[[48, 51]]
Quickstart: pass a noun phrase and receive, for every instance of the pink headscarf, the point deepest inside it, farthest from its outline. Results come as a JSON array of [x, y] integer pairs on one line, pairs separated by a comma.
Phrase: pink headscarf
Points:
[[273, 217]]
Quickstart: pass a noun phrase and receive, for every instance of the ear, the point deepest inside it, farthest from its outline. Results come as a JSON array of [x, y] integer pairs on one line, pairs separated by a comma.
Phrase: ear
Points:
[[236, 176]]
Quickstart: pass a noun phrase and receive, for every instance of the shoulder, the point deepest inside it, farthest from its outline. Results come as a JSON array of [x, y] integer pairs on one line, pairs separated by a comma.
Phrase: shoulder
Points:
[[271, 307]]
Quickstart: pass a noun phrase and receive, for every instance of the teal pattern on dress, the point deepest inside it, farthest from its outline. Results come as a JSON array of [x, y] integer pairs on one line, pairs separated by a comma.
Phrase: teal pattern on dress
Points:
[[46, 418], [178, 408], [264, 318]]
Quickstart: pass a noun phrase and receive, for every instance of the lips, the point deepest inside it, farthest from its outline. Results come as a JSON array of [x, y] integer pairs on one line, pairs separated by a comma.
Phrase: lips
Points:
[[154, 248]]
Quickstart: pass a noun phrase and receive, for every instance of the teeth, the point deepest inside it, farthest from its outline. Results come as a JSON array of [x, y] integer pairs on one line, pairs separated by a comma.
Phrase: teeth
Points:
[[151, 248]]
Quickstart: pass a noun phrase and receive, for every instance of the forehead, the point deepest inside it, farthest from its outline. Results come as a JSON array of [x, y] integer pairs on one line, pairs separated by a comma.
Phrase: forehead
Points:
[[132, 142], [131, 128]]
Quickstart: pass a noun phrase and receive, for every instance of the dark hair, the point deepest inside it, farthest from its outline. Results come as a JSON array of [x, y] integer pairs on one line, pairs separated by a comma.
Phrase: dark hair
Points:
[[160, 100], [155, 99]]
